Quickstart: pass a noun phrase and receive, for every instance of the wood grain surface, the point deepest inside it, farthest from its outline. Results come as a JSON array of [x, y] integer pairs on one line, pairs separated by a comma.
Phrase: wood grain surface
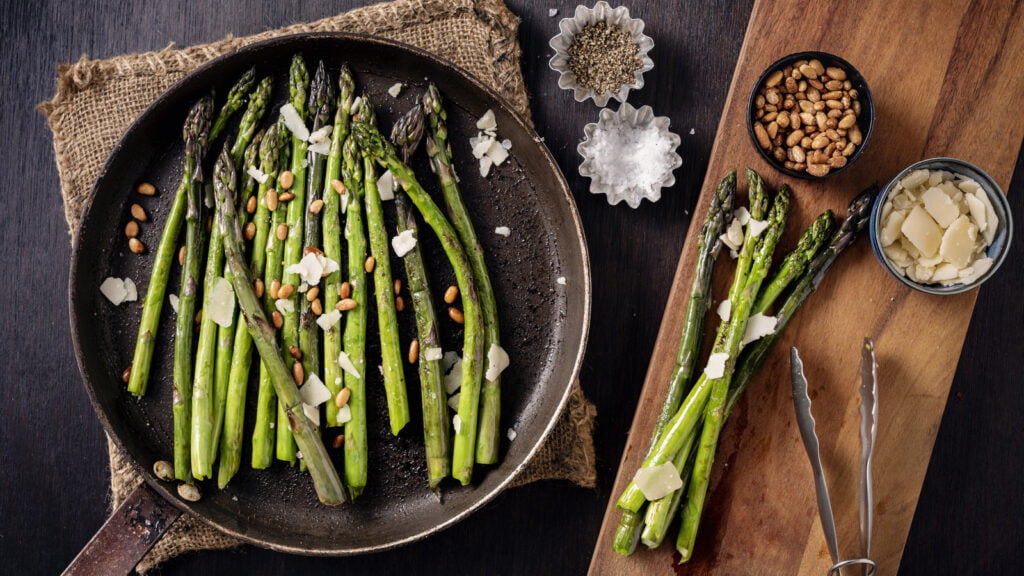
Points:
[[54, 488], [932, 90]]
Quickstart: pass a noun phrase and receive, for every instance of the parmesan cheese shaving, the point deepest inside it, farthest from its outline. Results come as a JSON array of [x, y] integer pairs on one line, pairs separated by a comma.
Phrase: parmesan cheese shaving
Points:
[[453, 401], [321, 148], [395, 89], [114, 290], [431, 353], [328, 320], [741, 215], [321, 135], [131, 292], [656, 482], [313, 413], [256, 174], [503, 231], [457, 423], [344, 414], [758, 326], [312, 268], [293, 122], [724, 309], [386, 186], [756, 227], [497, 361], [346, 364], [174, 302], [511, 434], [716, 365], [487, 121], [453, 379], [314, 392], [284, 305], [220, 303], [560, 280], [403, 243]]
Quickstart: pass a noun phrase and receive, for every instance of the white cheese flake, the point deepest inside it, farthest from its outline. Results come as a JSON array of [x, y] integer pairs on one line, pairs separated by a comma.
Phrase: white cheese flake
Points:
[[328, 320], [114, 290], [403, 243], [560, 280], [321, 135], [485, 166], [724, 309], [386, 186], [497, 361], [284, 305], [716, 365], [395, 89], [552, 12], [656, 482], [453, 378], [448, 361], [321, 148], [733, 236], [758, 326], [344, 414], [220, 303], [174, 302], [511, 434], [431, 353], [741, 215], [503, 231], [314, 392], [756, 227], [453, 401], [487, 121], [293, 122], [131, 292], [311, 412], [497, 153], [257, 174], [506, 144], [312, 268], [457, 423], [346, 364]]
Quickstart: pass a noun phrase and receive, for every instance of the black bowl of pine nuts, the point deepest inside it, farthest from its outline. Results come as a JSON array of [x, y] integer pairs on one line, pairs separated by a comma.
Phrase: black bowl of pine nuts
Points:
[[810, 115]]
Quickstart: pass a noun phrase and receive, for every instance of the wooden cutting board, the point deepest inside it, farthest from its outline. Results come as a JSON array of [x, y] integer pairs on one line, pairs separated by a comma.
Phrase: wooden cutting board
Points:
[[946, 78]]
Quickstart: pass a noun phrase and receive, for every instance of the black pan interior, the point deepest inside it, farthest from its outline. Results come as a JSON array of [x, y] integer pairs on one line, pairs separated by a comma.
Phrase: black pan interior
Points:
[[544, 323]]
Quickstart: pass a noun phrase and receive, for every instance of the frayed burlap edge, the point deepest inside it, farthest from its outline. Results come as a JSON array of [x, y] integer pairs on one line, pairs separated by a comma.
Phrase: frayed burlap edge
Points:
[[567, 455]]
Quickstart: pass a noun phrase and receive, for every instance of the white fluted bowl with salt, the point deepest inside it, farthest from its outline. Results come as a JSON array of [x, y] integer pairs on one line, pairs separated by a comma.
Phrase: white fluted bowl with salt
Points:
[[629, 155]]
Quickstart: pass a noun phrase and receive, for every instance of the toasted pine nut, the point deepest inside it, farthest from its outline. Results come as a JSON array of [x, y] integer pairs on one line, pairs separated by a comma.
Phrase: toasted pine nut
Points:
[[316, 206], [369, 264], [126, 375], [451, 294], [414, 351], [285, 291], [250, 206], [317, 307], [341, 398], [456, 315], [285, 196], [199, 316], [131, 229], [298, 374], [346, 304], [338, 441], [282, 232], [181, 256], [399, 303], [295, 352], [345, 290], [275, 288], [286, 179], [146, 189], [398, 286], [312, 250], [258, 287], [136, 245], [271, 199], [139, 213], [312, 293], [278, 320], [250, 230], [338, 186]]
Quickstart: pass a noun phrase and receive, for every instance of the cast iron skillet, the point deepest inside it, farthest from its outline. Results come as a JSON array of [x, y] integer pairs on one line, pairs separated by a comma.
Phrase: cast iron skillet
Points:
[[544, 323]]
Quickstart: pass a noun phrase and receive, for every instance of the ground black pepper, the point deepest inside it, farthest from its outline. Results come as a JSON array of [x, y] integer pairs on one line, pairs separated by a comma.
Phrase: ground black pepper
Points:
[[603, 57]]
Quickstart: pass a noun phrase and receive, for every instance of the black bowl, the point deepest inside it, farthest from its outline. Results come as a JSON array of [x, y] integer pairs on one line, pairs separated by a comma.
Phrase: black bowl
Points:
[[866, 119]]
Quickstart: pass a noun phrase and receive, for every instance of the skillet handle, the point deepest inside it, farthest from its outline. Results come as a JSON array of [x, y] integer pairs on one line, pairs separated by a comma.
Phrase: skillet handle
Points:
[[126, 536]]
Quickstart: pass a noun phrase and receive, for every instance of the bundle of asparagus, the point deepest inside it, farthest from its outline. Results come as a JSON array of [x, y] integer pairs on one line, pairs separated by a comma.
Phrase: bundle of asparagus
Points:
[[282, 198], [685, 439]]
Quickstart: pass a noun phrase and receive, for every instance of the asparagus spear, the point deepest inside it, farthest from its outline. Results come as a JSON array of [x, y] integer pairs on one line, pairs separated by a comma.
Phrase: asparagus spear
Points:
[[154, 300], [333, 376], [440, 152], [263, 437], [374, 145], [794, 264], [708, 247], [714, 411], [298, 88], [406, 135], [354, 339], [325, 478], [387, 316], [241, 360], [196, 133]]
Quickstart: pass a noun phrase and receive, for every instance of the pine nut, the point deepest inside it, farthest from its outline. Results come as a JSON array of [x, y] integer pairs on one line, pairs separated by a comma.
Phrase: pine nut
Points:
[[285, 196], [286, 291], [271, 199], [298, 374], [836, 73], [399, 303], [126, 375], [317, 307], [250, 206], [199, 316], [338, 441], [295, 352], [275, 288], [451, 294], [341, 398], [414, 351], [312, 293], [139, 213], [286, 179], [250, 230], [370, 263], [163, 470], [278, 320], [316, 206], [397, 286], [282, 232], [338, 186], [762, 136], [345, 290], [456, 315], [258, 288], [131, 229], [346, 304], [189, 492], [146, 189], [773, 79], [181, 256], [312, 250], [136, 245]]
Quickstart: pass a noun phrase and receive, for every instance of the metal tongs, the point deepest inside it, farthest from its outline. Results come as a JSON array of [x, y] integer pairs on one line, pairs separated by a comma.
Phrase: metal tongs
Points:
[[868, 431]]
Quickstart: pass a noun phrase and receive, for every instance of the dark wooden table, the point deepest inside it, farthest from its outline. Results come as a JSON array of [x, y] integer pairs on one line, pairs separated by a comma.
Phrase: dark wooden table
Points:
[[53, 469]]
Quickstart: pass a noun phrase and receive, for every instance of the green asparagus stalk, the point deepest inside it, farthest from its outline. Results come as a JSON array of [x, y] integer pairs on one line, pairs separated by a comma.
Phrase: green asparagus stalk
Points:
[[166, 250], [325, 478], [387, 316], [333, 375], [354, 338], [440, 152], [298, 88], [264, 436], [196, 132], [463, 456], [794, 264], [714, 411], [241, 361], [405, 135], [661, 511], [708, 247]]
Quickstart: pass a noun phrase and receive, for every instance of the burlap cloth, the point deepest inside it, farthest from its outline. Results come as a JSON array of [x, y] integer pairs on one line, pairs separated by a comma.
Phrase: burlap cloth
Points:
[[96, 100]]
